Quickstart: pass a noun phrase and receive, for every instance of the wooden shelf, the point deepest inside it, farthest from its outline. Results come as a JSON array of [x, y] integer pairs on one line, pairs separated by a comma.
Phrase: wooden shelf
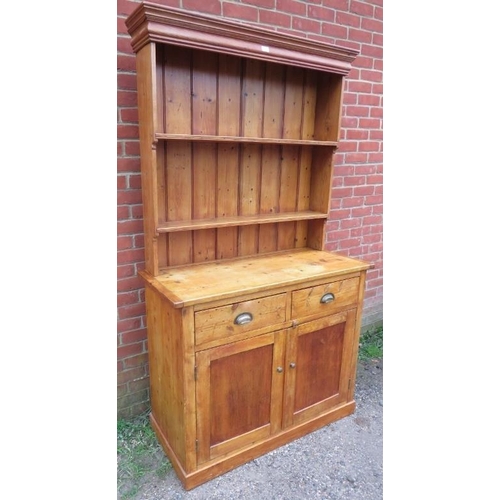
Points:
[[242, 220], [239, 139]]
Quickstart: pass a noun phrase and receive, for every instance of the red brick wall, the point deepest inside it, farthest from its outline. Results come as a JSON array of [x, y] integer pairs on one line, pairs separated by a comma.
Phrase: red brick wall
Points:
[[355, 225]]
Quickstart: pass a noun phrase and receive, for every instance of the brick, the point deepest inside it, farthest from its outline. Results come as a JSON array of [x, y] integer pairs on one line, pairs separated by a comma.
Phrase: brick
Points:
[[337, 4], [129, 115], [139, 360], [348, 146], [132, 374], [123, 213], [363, 190], [369, 146], [138, 241], [126, 98], [321, 13], [341, 192], [121, 390], [360, 35], [129, 197], [369, 100], [363, 62], [208, 6], [131, 283], [348, 243], [349, 122], [127, 131], [132, 165], [344, 170], [123, 46], [375, 157], [130, 399], [132, 148], [128, 324], [378, 88], [376, 134], [302, 24], [350, 45], [127, 81], [125, 271], [369, 123], [365, 169], [121, 182], [373, 200], [378, 65], [126, 63], [267, 4], [125, 7], [350, 98], [136, 212], [379, 13], [334, 30], [338, 235], [356, 158], [354, 86], [376, 112], [275, 18], [378, 39], [134, 181], [125, 242], [350, 223], [358, 110], [355, 180], [139, 385], [355, 201], [347, 19], [371, 25], [357, 134], [373, 76], [243, 12], [131, 311], [361, 211], [340, 214], [127, 298], [371, 238], [129, 350], [372, 51], [134, 336], [131, 255], [363, 9], [291, 6]]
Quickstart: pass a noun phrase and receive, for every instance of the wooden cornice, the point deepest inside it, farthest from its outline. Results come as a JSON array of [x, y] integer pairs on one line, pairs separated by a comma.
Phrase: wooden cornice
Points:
[[151, 22]]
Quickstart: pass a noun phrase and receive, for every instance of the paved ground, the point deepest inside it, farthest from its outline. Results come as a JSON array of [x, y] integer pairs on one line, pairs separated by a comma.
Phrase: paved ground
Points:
[[342, 461]]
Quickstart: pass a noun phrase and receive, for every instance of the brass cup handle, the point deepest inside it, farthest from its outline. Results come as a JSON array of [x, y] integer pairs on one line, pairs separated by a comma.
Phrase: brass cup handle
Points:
[[243, 319], [328, 297]]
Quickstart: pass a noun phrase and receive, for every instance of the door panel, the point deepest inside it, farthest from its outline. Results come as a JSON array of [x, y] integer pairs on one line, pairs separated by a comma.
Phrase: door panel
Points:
[[239, 394], [317, 366]]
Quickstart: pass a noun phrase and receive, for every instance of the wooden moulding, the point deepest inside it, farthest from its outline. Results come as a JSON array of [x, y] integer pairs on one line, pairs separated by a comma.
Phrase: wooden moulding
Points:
[[151, 22]]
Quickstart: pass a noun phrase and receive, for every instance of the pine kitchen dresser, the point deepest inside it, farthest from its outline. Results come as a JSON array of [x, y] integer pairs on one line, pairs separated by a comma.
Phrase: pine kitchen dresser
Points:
[[252, 326]]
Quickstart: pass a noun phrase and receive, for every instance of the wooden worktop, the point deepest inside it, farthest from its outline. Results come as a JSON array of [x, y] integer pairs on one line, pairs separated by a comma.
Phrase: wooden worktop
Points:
[[200, 283]]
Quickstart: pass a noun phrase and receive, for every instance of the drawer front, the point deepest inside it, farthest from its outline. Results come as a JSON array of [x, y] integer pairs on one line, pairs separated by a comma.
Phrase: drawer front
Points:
[[327, 298], [223, 322]]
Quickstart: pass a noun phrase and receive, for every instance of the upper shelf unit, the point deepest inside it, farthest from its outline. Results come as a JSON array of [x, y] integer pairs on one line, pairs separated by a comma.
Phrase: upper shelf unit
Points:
[[238, 128]]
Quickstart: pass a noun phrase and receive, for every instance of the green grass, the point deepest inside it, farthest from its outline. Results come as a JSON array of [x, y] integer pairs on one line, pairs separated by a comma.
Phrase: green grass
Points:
[[139, 455], [371, 344]]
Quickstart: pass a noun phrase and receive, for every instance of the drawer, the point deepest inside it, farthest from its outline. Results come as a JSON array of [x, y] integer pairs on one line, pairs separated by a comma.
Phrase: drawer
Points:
[[324, 299], [241, 317]]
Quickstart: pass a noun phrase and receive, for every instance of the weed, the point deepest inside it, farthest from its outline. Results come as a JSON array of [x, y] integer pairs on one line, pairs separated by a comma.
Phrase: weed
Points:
[[139, 455], [371, 344]]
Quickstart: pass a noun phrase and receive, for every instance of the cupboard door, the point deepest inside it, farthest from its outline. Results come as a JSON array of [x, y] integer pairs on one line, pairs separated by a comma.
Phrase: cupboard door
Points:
[[318, 361], [239, 392]]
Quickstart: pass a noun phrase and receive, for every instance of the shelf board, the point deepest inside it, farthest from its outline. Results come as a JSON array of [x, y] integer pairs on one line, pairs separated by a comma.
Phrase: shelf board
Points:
[[240, 139], [241, 220]]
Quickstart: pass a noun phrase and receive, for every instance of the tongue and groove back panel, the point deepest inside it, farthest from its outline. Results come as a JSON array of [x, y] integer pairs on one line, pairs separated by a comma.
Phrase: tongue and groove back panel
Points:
[[242, 145]]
